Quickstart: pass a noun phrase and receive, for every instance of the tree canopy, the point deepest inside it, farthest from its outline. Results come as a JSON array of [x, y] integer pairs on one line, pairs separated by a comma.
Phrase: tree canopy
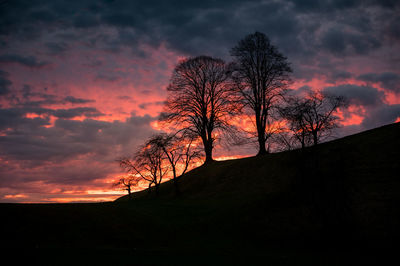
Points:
[[199, 101], [260, 77]]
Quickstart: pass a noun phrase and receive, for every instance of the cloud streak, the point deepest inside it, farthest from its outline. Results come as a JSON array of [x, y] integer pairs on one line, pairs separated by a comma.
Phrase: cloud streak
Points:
[[29, 61]]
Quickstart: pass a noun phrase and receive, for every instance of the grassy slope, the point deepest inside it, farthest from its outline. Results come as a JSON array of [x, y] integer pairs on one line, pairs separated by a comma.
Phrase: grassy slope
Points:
[[353, 180], [371, 154], [283, 207]]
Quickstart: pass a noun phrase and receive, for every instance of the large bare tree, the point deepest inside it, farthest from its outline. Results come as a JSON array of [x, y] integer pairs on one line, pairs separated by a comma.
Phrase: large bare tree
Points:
[[260, 77], [199, 100]]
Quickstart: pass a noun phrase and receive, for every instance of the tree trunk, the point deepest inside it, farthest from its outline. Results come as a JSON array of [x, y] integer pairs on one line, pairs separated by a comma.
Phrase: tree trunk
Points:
[[129, 193], [315, 137], [261, 143], [260, 135], [176, 185], [208, 150], [177, 191]]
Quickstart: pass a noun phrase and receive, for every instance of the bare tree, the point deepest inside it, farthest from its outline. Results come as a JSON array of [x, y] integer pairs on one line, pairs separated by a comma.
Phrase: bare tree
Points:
[[294, 113], [260, 76], [284, 141], [313, 118], [148, 163], [199, 100], [319, 116], [126, 183], [179, 151]]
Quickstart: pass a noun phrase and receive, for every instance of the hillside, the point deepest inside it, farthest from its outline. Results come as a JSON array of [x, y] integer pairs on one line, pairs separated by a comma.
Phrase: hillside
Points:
[[357, 160], [292, 208], [350, 183]]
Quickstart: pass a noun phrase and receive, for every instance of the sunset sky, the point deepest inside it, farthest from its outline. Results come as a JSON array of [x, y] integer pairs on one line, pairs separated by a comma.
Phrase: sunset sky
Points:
[[82, 82]]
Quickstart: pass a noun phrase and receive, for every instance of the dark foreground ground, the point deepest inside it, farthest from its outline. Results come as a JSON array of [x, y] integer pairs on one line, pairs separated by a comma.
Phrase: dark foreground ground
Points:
[[337, 204]]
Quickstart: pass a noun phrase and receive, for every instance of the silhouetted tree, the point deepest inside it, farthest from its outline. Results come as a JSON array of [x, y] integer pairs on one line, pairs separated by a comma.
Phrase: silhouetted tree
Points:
[[126, 183], [199, 100], [283, 139], [294, 113], [260, 76], [148, 163], [312, 118], [178, 151]]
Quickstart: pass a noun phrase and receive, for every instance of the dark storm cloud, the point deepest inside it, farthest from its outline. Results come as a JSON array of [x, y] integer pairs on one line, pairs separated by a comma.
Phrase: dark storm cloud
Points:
[[56, 48], [196, 27], [333, 5], [335, 75], [33, 100], [338, 41], [75, 112], [310, 33], [94, 63], [376, 111], [144, 106], [385, 114], [30, 97], [13, 119], [30, 110], [340, 75], [107, 77], [5, 83], [389, 80], [358, 95], [393, 28], [29, 61], [300, 92], [86, 20], [74, 100], [99, 141], [125, 98]]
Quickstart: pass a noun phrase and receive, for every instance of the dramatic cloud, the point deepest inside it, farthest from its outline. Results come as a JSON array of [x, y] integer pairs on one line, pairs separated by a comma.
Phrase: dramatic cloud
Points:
[[382, 115], [29, 61], [358, 95], [337, 41], [74, 112], [74, 153], [388, 80], [5, 83], [56, 48], [75, 100]]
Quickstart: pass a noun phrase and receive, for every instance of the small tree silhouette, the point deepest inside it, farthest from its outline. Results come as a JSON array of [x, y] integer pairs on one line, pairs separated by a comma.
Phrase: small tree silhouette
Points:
[[312, 118], [147, 163], [178, 150], [127, 183]]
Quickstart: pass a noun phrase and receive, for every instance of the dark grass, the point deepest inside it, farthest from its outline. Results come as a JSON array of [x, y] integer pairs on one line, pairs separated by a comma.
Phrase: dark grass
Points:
[[336, 204]]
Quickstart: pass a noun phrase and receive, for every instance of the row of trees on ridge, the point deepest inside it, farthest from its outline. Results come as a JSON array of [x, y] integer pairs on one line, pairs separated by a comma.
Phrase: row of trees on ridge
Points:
[[206, 94]]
